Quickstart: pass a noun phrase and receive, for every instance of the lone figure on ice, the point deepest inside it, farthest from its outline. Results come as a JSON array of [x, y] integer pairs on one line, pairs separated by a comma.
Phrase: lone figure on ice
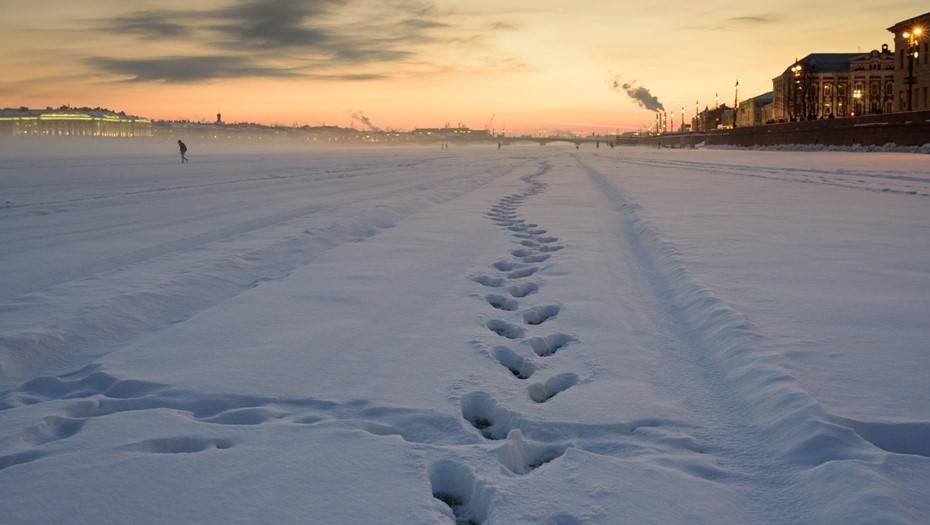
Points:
[[183, 147]]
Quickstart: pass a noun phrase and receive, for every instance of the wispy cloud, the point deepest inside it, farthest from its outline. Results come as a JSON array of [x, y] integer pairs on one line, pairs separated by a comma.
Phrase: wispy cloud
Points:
[[765, 18], [737, 23], [318, 39], [273, 24], [149, 24], [503, 26], [185, 68]]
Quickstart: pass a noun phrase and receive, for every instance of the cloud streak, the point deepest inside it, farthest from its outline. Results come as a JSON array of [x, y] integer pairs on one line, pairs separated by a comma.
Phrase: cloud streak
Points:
[[317, 39], [272, 24], [186, 69], [737, 23], [147, 24], [765, 18]]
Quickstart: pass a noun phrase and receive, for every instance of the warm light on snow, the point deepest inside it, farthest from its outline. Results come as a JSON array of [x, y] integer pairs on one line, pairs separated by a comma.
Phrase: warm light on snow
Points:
[[410, 335]]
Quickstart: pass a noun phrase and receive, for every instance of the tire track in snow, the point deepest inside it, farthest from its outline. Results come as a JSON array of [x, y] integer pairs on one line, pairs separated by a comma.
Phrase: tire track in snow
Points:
[[77, 232], [132, 311], [185, 244], [794, 175], [303, 175], [767, 425]]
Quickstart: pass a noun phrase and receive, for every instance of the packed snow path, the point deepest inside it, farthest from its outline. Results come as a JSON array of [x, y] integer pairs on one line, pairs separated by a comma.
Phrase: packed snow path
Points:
[[535, 335]]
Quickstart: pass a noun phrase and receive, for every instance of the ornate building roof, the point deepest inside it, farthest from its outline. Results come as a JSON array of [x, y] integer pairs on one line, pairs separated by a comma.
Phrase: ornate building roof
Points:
[[827, 62]]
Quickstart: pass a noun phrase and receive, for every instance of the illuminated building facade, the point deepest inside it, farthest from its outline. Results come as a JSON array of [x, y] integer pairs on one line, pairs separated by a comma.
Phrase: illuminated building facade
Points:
[[826, 85], [755, 111], [720, 117], [458, 134], [912, 63], [72, 122]]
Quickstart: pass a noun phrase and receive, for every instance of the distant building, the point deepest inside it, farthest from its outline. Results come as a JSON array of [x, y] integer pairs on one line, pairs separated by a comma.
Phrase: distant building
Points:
[[459, 134], [755, 111], [720, 117], [72, 122], [825, 85], [912, 73]]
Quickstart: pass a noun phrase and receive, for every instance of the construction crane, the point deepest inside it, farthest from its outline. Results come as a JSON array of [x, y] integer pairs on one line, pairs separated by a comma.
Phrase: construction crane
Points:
[[488, 125]]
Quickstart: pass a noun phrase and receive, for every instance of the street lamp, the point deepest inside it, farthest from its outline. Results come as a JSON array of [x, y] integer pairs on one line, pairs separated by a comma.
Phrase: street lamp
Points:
[[798, 71], [735, 102], [697, 115], [857, 105], [913, 38]]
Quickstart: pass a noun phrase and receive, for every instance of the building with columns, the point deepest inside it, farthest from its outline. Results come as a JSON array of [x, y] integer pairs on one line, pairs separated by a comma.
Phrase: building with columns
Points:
[[72, 122], [826, 85]]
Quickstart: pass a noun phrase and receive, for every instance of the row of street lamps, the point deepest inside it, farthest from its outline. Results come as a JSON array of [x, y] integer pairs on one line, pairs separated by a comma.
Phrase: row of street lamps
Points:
[[661, 124], [913, 38], [662, 120]]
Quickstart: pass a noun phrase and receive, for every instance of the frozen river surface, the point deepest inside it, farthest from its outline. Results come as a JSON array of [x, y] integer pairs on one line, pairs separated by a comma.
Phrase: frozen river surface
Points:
[[415, 336]]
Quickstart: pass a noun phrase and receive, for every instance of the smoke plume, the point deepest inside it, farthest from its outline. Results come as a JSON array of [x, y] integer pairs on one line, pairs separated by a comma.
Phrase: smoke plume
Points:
[[643, 97], [362, 119]]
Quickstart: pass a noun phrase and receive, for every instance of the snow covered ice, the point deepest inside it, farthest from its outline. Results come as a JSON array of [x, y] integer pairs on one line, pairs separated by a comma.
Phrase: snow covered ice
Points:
[[537, 335]]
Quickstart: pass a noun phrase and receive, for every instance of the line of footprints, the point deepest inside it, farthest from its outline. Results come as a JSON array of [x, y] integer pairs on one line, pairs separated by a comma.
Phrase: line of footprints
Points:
[[520, 443], [535, 248], [526, 444], [509, 284]]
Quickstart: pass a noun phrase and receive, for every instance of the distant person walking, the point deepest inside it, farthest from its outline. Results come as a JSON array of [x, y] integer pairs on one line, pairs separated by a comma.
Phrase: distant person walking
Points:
[[183, 147]]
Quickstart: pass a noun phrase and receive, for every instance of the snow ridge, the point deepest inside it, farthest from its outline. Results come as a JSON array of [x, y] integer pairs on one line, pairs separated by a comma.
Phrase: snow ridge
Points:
[[880, 182], [794, 427]]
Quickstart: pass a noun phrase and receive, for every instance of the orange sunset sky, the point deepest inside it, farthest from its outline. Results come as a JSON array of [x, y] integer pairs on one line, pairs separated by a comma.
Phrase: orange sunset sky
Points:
[[406, 63]]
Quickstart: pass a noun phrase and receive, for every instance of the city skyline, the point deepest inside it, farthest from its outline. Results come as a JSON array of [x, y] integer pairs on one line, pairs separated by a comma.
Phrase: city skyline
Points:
[[517, 65]]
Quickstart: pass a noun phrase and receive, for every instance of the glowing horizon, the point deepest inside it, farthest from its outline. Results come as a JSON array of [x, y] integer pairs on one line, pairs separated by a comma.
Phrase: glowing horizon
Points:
[[531, 66]]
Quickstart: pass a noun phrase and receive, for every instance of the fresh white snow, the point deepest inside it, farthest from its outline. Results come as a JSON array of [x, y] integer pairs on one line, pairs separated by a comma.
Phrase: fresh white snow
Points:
[[408, 335]]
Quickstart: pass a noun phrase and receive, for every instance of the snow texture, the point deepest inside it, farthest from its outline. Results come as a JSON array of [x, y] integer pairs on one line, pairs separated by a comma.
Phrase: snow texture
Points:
[[471, 336]]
